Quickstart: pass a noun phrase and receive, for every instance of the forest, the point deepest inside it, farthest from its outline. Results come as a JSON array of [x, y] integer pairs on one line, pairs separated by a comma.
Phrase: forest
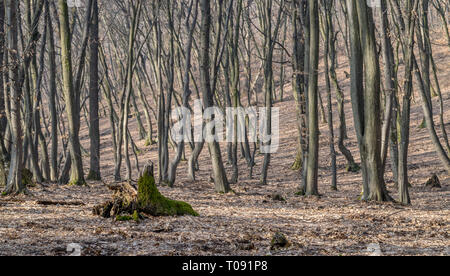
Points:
[[224, 127]]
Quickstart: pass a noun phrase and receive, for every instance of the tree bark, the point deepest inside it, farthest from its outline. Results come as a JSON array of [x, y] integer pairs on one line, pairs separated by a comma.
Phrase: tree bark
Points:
[[77, 175], [313, 116], [220, 178], [94, 130]]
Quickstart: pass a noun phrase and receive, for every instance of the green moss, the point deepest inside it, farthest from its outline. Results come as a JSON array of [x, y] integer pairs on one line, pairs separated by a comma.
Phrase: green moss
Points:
[[152, 202], [124, 218], [298, 163], [423, 124], [136, 216], [77, 182]]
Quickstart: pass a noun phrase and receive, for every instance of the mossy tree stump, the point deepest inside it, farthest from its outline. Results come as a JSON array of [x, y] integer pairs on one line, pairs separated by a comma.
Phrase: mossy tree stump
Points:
[[146, 199]]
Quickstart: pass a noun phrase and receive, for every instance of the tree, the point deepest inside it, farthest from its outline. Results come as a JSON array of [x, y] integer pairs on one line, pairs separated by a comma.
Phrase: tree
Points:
[[313, 104], [165, 98], [298, 65], [186, 87], [94, 131], [14, 183], [270, 37], [220, 177], [77, 175], [328, 36], [52, 96], [406, 108], [3, 119], [123, 133], [366, 99], [390, 80], [17, 74]]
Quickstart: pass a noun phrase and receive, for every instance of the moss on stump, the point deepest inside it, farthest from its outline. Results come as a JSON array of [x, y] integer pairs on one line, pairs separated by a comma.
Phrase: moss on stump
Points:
[[150, 200], [135, 217], [128, 201]]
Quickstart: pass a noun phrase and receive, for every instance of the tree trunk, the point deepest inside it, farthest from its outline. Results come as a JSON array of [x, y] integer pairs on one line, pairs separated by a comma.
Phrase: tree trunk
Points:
[[186, 92], [372, 104], [220, 178], [14, 183], [52, 97], [77, 175], [313, 115], [328, 34], [94, 131]]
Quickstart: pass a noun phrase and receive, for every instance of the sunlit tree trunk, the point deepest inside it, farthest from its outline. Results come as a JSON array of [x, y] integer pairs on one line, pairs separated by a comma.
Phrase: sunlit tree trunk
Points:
[[220, 178], [77, 175], [372, 104], [14, 183], [52, 97], [186, 89], [313, 103]]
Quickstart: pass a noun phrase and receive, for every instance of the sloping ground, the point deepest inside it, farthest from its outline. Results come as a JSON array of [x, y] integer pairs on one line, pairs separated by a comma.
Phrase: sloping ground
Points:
[[244, 223]]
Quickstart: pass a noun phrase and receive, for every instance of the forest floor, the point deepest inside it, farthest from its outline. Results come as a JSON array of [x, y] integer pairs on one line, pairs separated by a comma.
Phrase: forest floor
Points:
[[244, 222]]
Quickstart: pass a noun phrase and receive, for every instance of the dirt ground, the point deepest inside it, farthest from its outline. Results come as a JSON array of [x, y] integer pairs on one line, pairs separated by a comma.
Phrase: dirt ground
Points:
[[243, 223]]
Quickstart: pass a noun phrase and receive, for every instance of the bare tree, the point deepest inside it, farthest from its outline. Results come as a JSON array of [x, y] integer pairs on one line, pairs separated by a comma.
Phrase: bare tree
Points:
[[77, 175], [220, 177], [94, 131]]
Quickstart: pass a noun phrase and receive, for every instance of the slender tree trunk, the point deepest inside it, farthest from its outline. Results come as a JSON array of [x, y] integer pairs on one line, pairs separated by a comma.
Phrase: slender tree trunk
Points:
[[220, 178], [14, 183], [298, 79], [313, 104], [357, 89], [328, 34], [94, 130], [406, 108], [129, 84], [3, 118], [389, 81], [186, 91], [77, 175], [52, 97]]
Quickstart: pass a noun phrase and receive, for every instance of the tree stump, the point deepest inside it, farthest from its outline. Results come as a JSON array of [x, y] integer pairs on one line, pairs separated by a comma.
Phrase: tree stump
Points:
[[279, 241], [146, 199], [433, 182]]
